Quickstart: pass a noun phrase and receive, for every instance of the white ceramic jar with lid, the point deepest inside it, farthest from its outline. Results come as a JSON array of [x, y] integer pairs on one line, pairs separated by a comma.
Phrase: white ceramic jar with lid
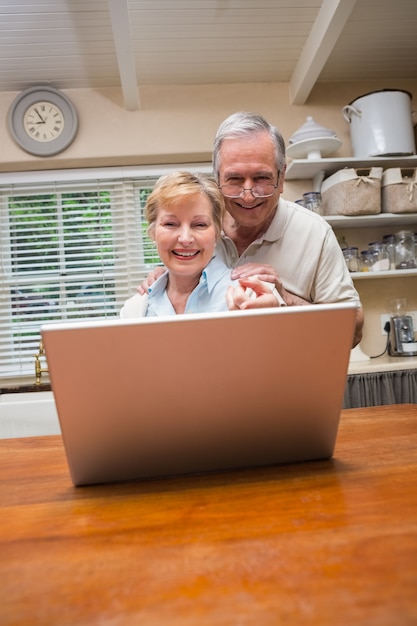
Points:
[[312, 141]]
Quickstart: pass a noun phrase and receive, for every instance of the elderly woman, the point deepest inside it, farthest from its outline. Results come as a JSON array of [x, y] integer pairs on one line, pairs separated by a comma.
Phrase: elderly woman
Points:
[[184, 214]]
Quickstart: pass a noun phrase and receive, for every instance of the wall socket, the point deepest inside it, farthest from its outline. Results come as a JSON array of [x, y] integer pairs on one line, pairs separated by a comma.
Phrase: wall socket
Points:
[[387, 318]]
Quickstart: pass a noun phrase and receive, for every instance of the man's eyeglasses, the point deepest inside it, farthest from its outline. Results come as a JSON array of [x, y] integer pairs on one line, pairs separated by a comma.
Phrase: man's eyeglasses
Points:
[[263, 190]]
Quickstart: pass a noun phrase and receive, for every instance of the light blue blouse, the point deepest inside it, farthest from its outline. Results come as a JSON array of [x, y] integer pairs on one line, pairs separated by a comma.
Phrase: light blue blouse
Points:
[[208, 296]]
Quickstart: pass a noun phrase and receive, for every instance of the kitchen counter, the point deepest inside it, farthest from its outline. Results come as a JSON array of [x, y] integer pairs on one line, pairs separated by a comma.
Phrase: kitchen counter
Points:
[[383, 363], [322, 543]]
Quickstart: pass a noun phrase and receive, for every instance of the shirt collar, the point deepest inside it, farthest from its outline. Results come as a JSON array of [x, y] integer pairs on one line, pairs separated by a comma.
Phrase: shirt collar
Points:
[[211, 275], [159, 285], [276, 227], [213, 272]]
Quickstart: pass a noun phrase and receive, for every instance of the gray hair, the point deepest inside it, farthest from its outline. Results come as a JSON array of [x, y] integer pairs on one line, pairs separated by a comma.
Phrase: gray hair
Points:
[[245, 124]]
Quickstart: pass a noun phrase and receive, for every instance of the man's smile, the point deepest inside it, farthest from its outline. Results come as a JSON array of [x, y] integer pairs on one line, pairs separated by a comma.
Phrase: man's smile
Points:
[[251, 206]]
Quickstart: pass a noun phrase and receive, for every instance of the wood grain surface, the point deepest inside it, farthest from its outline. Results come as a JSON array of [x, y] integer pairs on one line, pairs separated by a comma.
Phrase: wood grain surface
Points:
[[324, 542]]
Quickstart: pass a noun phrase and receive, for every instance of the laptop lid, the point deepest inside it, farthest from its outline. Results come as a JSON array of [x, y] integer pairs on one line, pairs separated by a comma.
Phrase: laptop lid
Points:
[[166, 395]]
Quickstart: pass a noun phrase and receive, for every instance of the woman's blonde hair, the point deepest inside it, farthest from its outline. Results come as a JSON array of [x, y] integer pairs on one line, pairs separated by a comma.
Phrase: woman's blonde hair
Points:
[[171, 188]]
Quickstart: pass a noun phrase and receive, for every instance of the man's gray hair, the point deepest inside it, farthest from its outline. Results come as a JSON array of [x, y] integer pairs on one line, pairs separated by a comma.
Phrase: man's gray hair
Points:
[[244, 124]]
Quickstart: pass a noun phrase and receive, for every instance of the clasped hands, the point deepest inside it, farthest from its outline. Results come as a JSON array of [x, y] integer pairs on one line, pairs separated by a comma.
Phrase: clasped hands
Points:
[[258, 286], [251, 293]]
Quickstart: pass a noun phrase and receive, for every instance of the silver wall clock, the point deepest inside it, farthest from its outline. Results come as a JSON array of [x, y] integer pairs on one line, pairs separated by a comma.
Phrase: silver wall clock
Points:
[[42, 120]]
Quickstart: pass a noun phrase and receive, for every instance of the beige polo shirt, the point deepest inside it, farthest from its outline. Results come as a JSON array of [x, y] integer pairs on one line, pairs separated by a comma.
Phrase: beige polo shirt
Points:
[[302, 247]]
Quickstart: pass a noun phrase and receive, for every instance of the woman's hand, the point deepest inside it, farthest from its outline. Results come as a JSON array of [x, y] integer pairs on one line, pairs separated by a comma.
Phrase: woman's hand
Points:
[[251, 293], [265, 273], [143, 288], [268, 274]]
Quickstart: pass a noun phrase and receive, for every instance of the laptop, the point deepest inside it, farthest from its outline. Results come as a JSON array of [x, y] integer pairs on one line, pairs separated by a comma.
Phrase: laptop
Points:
[[163, 396]]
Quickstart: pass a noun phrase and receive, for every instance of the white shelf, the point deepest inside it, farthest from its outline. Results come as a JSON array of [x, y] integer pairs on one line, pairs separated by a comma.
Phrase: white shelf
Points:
[[316, 170], [386, 274], [364, 221], [309, 168]]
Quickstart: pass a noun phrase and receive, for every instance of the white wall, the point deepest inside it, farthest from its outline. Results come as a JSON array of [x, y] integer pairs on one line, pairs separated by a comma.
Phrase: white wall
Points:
[[177, 125]]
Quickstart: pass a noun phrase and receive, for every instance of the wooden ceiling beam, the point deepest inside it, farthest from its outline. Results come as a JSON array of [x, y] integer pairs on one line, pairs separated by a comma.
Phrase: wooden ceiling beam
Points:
[[330, 22], [119, 14]]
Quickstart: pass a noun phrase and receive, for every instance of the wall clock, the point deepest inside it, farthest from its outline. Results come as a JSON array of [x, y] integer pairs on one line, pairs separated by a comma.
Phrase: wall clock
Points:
[[42, 120]]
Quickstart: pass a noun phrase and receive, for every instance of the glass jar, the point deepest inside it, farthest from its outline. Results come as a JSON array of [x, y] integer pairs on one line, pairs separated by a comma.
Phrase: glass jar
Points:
[[351, 255], [405, 253], [380, 256], [366, 261], [389, 241], [301, 202], [312, 201]]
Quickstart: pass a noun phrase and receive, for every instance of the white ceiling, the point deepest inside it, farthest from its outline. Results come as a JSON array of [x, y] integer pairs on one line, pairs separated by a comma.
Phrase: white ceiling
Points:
[[132, 43]]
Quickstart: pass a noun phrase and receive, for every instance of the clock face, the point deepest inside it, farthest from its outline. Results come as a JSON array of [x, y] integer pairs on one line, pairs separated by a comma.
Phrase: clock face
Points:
[[43, 121]]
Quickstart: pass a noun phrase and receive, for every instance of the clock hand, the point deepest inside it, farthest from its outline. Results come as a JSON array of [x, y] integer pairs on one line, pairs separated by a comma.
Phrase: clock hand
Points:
[[40, 117]]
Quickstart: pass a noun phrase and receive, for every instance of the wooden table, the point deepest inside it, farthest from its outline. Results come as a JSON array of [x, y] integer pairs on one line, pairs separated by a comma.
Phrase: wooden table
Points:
[[328, 542]]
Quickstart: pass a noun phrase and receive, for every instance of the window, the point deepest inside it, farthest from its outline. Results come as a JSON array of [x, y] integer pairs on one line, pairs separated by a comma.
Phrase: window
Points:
[[72, 246]]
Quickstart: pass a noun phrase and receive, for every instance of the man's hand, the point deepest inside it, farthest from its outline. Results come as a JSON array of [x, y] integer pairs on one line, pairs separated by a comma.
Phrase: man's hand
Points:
[[251, 293], [268, 274], [265, 273], [143, 288]]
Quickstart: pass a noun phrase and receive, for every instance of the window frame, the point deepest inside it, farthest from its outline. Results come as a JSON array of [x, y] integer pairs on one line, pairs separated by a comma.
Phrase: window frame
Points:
[[128, 224]]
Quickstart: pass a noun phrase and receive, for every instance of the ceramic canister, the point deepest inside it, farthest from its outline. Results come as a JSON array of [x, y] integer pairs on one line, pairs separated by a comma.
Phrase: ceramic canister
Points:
[[381, 124]]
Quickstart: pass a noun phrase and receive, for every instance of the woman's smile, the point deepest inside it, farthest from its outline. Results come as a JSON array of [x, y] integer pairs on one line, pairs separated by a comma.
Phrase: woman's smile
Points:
[[186, 254]]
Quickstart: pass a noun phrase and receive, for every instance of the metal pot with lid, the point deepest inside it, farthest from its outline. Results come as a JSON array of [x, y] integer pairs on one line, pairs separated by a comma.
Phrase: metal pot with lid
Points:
[[381, 124]]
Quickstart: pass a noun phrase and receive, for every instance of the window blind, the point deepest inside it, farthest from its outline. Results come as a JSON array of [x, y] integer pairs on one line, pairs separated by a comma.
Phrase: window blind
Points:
[[73, 246]]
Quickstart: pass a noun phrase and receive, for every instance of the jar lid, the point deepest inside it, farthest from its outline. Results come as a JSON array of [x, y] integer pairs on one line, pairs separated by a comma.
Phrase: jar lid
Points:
[[310, 130]]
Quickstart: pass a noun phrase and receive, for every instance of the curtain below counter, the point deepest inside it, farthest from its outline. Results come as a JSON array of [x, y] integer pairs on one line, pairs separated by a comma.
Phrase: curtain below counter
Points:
[[378, 388]]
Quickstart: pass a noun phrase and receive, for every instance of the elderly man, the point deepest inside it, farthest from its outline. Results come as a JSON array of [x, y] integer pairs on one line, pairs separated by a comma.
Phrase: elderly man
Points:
[[263, 234]]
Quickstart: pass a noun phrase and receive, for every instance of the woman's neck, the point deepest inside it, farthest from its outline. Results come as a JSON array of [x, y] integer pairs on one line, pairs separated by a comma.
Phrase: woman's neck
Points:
[[179, 289]]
